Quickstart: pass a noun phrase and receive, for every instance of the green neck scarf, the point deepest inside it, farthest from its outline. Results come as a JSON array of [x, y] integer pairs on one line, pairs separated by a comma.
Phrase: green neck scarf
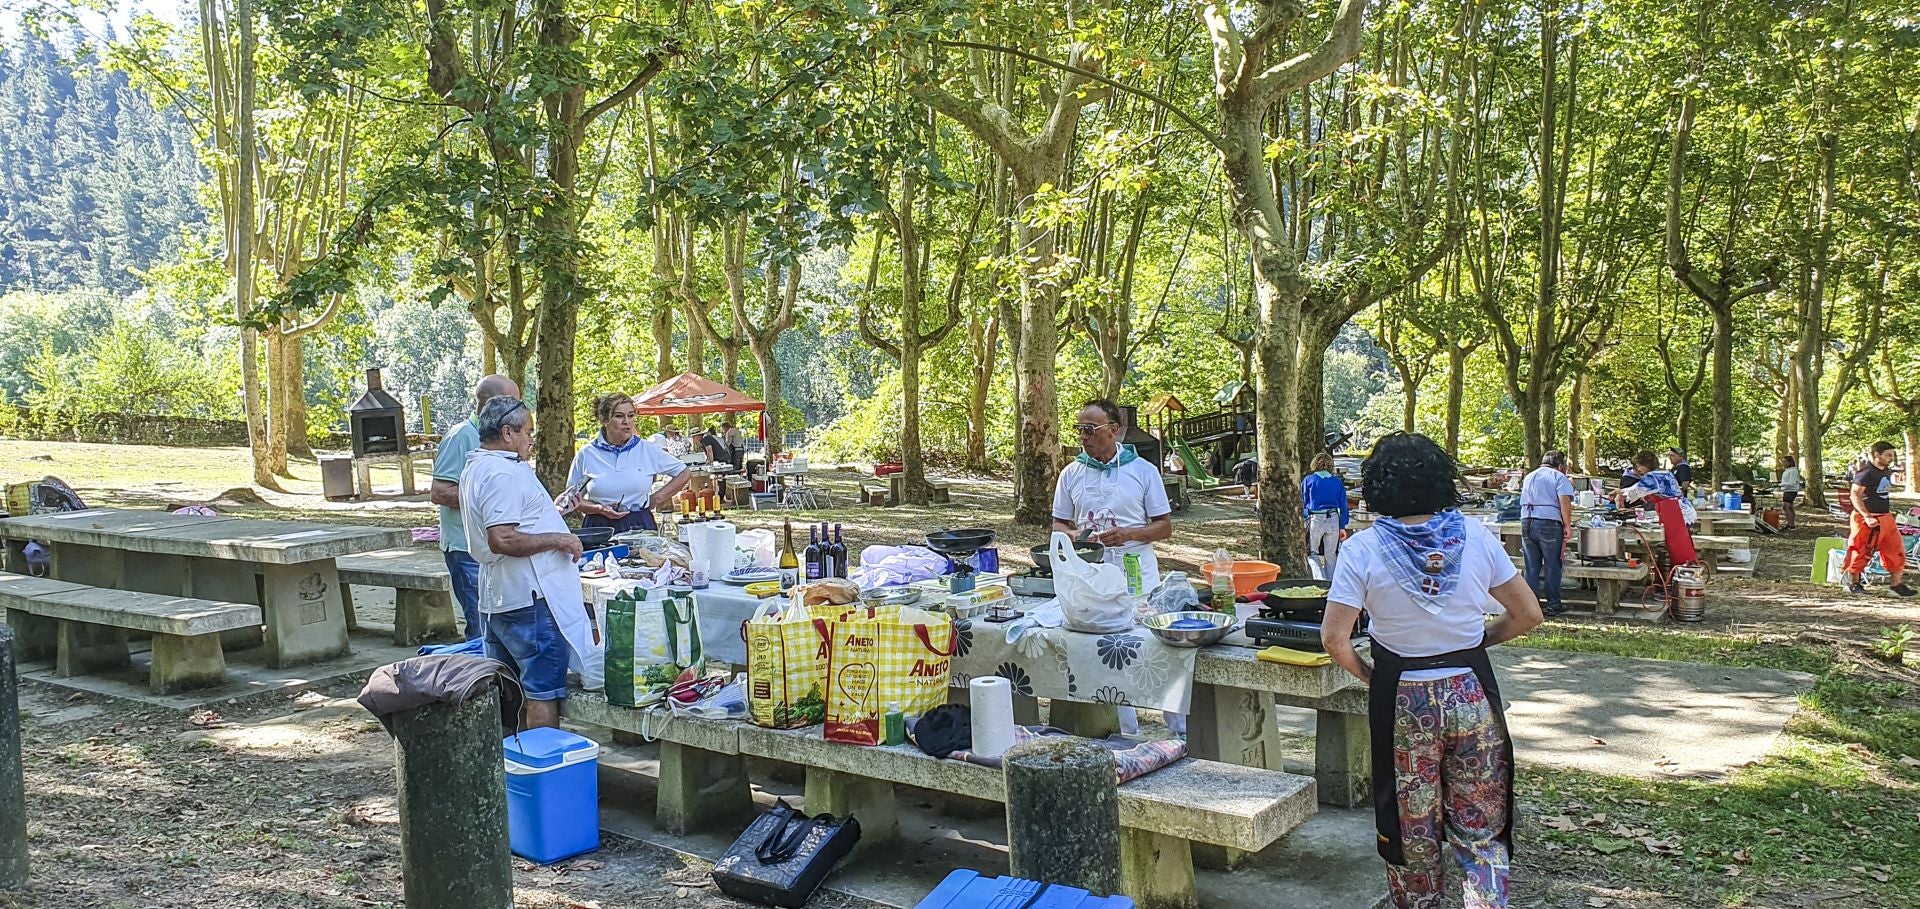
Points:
[[1126, 454]]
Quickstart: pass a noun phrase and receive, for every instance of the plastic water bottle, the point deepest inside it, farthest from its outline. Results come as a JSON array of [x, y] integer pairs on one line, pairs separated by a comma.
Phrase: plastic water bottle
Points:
[[1222, 581]]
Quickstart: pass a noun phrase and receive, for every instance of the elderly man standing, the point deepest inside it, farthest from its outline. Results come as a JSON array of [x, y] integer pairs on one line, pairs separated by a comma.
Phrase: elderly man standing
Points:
[[1546, 524], [529, 586], [1112, 494], [448, 462]]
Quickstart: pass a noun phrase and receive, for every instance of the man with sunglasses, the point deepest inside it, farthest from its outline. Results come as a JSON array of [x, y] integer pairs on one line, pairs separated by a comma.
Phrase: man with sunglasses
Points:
[[529, 587], [1111, 493]]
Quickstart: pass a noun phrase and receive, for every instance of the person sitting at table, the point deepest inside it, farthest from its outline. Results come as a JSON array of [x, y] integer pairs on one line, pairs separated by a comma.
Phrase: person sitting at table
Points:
[[1427, 577], [669, 440], [1657, 487], [624, 468], [529, 587], [711, 445]]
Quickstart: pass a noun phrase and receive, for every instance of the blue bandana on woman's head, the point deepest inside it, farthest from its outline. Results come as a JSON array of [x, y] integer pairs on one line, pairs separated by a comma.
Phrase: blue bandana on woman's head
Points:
[[600, 442], [1126, 454], [1425, 558]]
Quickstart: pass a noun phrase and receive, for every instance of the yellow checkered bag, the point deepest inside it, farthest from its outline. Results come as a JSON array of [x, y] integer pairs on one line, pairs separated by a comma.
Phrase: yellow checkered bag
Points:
[[786, 665], [901, 657]]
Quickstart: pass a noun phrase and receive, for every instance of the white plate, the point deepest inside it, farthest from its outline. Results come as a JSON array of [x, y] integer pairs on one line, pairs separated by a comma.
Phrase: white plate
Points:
[[738, 576]]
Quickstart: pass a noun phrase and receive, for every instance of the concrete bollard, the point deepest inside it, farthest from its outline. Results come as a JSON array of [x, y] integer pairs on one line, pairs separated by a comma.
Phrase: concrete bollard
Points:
[[453, 806], [1063, 815], [13, 786]]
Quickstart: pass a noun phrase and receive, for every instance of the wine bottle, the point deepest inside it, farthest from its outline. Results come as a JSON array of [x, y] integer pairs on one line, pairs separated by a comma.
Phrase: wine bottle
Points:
[[789, 563], [839, 553], [816, 567]]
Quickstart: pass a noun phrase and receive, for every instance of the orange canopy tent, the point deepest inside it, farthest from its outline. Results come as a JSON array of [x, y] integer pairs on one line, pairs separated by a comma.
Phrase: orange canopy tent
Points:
[[687, 393]]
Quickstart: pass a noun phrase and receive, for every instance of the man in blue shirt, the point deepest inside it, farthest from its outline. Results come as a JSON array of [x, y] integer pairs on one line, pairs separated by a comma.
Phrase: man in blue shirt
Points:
[[1546, 524], [448, 461], [1323, 497]]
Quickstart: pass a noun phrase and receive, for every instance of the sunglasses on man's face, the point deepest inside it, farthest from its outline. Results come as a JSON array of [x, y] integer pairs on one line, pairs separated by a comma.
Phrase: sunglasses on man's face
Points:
[[1087, 429]]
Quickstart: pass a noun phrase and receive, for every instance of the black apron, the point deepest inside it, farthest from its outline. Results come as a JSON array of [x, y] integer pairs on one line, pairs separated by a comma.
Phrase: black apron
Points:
[[1387, 667]]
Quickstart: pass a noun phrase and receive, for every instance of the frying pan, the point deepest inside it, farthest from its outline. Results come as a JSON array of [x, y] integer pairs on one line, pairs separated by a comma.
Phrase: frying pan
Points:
[[960, 542]]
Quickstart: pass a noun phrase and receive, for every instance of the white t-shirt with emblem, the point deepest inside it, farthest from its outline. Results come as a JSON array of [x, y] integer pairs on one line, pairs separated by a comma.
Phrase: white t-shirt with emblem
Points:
[[1126, 496], [1361, 579]]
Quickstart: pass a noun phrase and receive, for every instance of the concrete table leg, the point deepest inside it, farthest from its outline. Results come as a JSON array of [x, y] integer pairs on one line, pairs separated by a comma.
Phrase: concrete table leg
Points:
[[704, 790], [13, 787], [453, 806], [1088, 721], [1233, 725], [1156, 870], [85, 648], [346, 605], [90, 565], [35, 637], [1606, 595], [363, 477], [1343, 759], [186, 663], [869, 800], [229, 582], [420, 616], [406, 475], [305, 620]]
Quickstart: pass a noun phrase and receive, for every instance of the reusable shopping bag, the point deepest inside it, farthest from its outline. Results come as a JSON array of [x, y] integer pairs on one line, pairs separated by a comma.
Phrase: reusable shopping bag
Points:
[[786, 666], [651, 637], [882, 659]]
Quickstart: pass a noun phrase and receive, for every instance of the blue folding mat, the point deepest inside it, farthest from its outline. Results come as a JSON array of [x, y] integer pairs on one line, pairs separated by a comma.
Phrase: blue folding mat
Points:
[[968, 890]]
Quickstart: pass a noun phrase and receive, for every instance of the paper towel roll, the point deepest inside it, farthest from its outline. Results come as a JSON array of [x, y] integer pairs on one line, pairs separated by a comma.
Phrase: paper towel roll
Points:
[[712, 545], [992, 704]]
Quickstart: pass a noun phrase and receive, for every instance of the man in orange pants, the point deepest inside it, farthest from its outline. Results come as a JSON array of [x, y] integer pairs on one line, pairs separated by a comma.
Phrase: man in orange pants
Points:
[[1873, 527]]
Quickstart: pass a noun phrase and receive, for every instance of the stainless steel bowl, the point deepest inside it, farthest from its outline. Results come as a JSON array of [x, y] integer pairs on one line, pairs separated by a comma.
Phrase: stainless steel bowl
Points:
[[1220, 624], [891, 596]]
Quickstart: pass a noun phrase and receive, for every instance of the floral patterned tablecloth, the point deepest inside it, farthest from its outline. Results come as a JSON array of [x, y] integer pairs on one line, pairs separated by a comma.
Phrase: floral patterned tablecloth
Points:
[[1134, 668]]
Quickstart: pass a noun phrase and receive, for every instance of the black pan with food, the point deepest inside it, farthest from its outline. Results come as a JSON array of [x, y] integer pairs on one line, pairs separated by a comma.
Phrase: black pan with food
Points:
[[1294, 596], [1088, 550]]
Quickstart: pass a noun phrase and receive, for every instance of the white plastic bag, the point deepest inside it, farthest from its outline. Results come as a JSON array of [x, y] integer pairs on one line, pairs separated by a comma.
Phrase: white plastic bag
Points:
[[1093, 596], [754, 549]]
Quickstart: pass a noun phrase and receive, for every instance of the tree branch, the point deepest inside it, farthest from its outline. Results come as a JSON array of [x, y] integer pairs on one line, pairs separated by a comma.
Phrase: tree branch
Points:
[[1212, 137], [655, 63], [1342, 42]]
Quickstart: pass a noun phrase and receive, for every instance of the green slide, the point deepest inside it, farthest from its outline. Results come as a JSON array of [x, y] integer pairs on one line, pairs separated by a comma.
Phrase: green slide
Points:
[[1196, 470]]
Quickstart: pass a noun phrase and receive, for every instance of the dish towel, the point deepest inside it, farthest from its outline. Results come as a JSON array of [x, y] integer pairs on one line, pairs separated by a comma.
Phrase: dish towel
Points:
[[1131, 760], [1293, 657]]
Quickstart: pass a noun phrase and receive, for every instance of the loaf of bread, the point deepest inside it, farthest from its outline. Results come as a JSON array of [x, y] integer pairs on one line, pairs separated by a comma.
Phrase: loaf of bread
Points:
[[830, 592]]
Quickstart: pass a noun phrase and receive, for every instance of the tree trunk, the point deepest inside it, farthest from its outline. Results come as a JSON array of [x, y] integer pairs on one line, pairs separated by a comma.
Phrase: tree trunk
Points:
[[984, 335], [559, 314], [295, 376], [913, 465], [771, 393], [277, 402], [1409, 400], [1912, 438], [1722, 394], [1316, 334], [1456, 393], [1577, 417], [1037, 443], [242, 238], [662, 324]]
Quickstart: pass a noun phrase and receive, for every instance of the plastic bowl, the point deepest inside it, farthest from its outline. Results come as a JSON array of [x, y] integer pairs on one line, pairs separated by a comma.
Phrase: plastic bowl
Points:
[[1247, 576], [1191, 629]]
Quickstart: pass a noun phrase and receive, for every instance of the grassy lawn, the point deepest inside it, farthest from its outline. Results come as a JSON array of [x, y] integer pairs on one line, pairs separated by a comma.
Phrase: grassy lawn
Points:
[[1831, 817]]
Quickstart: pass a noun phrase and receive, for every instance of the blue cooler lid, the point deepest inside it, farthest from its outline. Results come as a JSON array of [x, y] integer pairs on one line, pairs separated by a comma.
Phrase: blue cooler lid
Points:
[[545, 746]]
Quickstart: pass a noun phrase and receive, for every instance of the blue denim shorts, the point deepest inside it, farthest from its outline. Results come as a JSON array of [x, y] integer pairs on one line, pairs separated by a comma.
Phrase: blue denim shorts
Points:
[[528, 640]]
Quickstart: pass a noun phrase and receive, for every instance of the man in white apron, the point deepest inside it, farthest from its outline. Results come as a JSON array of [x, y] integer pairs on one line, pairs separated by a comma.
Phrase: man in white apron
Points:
[[1112, 493], [530, 595]]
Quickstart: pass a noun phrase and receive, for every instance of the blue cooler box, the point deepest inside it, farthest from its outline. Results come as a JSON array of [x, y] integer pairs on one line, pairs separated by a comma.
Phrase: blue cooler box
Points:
[[553, 794], [968, 890]]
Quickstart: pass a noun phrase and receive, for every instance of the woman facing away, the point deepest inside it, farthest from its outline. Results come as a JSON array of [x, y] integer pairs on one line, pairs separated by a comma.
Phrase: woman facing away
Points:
[[1427, 578]]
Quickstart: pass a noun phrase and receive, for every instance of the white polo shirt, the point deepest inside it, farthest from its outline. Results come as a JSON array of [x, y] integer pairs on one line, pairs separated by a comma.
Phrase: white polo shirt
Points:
[[1127, 496], [624, 478], [497, 489]]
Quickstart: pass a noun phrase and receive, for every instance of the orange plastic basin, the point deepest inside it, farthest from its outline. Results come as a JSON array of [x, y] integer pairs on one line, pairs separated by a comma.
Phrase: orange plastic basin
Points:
[[1247, 576]]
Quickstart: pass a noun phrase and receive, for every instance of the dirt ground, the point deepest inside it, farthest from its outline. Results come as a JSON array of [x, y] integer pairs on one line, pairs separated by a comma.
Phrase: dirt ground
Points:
[[290, 802]]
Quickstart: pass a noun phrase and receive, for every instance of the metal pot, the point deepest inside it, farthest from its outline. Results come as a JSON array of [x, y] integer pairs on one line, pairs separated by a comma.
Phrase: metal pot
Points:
[[1601, 542]]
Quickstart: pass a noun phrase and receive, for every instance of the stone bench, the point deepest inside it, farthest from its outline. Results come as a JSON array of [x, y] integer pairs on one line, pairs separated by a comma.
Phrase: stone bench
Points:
[[942, 491], [874, 494], [1162, 815], [1609, 581], [84, 629], [423, 607]]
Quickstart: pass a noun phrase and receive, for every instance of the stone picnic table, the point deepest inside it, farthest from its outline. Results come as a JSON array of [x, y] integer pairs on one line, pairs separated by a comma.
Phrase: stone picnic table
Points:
[[1230, 711], [284, 567]]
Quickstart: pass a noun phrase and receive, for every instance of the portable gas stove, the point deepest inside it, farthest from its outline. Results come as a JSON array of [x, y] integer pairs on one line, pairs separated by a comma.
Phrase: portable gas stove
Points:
[[1032, 583], [1291, 630], [959, 546]]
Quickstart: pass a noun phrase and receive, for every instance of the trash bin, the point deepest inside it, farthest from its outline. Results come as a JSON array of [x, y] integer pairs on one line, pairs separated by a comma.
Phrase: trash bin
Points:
[[553, 795], [336, 477]]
